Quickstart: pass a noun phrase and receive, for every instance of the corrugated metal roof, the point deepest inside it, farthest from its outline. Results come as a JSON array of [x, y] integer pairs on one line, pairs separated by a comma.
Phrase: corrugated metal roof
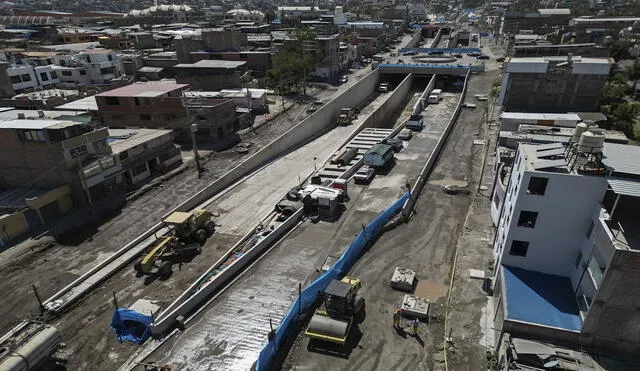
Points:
[[30, 124], [626, 187], [621, 158]]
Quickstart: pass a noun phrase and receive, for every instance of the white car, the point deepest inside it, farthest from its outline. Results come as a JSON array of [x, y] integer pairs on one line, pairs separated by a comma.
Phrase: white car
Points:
[[405, 134], [343, 79], [364, 174]]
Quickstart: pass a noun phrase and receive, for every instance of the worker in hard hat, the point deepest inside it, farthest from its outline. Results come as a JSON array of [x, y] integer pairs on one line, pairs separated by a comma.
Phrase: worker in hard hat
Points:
[[397, 315], [414, 326]]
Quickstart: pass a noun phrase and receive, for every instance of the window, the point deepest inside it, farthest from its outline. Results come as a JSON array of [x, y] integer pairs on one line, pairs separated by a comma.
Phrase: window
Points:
[[110, 57], [142, 101], [590, 229], [78, 151], [519, 248], [16, 80], [107, 70], [578, 259], [112, 101], [26, 77], [496, 200], [124, 155], [66, 73], [44, 76], [527, 219], [537, 185], [63, 63], [89, 58], [83, 72], [145, 117], [139, 170], [54, 75]]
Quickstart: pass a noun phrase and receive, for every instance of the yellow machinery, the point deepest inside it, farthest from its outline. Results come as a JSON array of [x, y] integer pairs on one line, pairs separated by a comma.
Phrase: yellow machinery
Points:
[[333, 320], [185, 230]]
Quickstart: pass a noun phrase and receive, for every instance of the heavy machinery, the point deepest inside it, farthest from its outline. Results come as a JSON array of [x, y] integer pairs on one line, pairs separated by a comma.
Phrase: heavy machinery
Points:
[[187, 232], [332, 322], [346, 116]]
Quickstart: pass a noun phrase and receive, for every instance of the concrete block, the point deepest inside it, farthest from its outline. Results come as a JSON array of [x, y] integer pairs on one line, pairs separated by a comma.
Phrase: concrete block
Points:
[[403, 279], [414, 306]]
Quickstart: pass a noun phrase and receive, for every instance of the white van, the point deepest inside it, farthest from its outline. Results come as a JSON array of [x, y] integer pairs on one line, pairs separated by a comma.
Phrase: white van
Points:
[[433, 99], [436, 92]]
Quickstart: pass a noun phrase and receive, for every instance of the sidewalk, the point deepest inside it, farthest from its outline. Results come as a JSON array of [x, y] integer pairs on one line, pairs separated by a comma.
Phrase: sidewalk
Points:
[[470, 310]]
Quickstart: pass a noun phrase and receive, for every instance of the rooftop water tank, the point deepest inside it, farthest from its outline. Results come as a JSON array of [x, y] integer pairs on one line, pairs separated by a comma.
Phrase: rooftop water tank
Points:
[[591, 141], [577, 132]]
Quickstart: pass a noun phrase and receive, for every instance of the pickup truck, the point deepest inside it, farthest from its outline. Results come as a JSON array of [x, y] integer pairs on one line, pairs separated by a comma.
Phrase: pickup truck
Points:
[[414, 123]]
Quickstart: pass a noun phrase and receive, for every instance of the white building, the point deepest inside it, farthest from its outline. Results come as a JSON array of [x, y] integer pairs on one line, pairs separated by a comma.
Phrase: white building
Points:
[[29, 78], [72, 75], [567, 245], [101, 65]]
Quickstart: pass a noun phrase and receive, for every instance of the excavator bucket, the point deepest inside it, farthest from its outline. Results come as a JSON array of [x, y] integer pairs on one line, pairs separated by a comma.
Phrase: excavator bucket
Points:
[[323, 327]]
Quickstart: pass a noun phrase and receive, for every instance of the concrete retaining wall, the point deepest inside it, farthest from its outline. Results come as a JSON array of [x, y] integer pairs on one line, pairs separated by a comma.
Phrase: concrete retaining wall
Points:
[[378, 119], [188, 303], [414, 40], [310, 128], [422, 103], [407, 209], [436, 39]]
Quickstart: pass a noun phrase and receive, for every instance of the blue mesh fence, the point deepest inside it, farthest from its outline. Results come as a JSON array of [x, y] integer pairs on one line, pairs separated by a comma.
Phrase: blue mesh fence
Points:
[[338, 270]]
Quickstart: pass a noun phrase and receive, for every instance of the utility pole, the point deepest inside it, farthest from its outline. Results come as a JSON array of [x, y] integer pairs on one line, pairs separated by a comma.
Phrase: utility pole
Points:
[[193, 129]]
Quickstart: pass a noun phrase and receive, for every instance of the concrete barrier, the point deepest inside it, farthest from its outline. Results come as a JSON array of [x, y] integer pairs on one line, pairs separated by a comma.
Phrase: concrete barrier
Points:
[[421, 104], [189, 302], [415, 39], [436, 39], [418, 186], [308, 129], [378, 118]]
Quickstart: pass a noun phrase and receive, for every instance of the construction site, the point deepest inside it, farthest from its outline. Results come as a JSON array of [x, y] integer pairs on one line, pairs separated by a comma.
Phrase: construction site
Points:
[[294, 255]]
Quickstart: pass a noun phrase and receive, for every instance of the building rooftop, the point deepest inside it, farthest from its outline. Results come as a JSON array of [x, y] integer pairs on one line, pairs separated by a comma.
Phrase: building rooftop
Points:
[[540, 299], [31, 124], [12, 114], [561, 58], [539, 116], [607, 19], [121, 140], [620, 158], [555, 11], [146, 89], [83, 104], [220, 64], [552, 134]]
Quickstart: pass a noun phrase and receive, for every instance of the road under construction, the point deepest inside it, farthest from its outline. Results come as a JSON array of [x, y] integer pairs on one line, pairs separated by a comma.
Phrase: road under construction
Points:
[[228, 325]]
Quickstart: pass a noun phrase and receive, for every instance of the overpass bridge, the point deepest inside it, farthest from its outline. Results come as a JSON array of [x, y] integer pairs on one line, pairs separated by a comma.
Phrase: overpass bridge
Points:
[[428, 69]]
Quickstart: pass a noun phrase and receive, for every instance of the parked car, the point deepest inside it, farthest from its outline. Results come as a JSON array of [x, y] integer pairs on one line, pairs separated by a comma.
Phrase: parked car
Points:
[[393, 142], [458, 56], [405, 134], [482, 56], [500, 59], [364, 175], [343, 79], [474, 54]]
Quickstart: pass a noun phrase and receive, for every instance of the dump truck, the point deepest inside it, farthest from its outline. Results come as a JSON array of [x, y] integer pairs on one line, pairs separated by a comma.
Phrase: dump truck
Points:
[[186, 232], [332, 322], [346, 116]]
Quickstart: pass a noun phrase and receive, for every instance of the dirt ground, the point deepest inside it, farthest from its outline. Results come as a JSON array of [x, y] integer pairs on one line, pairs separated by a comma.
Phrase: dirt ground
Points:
[[426, 244]]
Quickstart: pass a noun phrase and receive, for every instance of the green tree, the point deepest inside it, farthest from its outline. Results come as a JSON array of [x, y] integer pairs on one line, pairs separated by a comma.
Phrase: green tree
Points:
[[269, 16], [295, 61], [612, 93], [633, 73], [624, 117]]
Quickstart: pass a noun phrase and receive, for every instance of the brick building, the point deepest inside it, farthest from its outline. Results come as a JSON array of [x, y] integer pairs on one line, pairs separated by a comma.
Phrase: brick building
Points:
[[160, 105]]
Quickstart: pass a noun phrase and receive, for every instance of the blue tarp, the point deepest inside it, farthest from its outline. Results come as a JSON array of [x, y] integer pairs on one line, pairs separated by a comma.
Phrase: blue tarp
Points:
[[130, 325], [337, 271]]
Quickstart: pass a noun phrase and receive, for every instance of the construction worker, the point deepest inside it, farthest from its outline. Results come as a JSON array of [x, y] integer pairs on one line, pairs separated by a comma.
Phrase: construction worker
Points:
[[397, 315], [414, 326]]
